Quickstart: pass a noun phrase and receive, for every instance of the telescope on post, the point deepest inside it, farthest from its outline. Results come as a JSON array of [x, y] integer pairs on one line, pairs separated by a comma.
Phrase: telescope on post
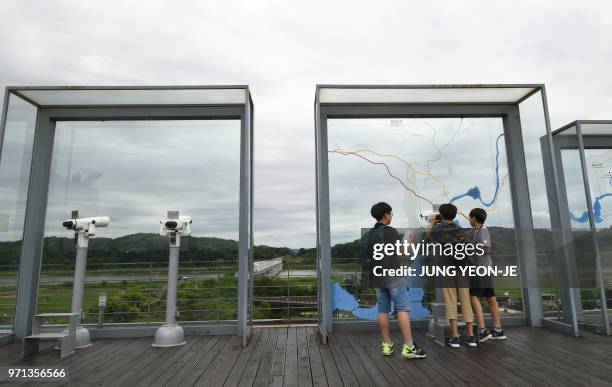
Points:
[[84, 228], [174, 226]]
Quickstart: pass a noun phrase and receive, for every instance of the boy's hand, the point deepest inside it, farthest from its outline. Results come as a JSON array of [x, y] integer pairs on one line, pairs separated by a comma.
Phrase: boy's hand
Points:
[[432, 221]]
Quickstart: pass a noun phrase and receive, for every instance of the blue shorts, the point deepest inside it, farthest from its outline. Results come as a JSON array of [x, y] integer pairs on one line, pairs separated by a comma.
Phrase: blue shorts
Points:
[[399, 296]]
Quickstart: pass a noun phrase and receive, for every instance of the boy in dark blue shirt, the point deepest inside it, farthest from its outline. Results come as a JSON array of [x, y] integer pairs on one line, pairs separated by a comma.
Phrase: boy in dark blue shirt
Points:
[[388, 289]]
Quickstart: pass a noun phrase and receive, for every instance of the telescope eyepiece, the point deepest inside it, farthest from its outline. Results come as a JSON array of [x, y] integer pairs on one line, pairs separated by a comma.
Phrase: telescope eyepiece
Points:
[[68, 224], [172, 224]]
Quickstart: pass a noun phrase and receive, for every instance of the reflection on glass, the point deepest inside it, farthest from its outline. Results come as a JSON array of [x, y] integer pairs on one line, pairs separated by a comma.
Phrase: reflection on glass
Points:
[[582, 239], [599, 168], [533, 125], [133, 172], [14, 178], [413, 164]]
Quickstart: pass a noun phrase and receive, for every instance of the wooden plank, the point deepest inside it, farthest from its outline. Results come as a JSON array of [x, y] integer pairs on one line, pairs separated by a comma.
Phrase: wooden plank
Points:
[[10, 352], [93, 363], [452, 360], [548, 359], [252, 366], [291, 359], [78, 360], [449, 376], [359, 369], [276, 381], [481, 364], [278, 365], [46, 354], [139, 350], [194, 373], [356, 348], [550, 355], [376, 358], [84, 362], [602, 357], [398, 365], [282, 356], [217, 372], [332, 372], [155, 369], [391, 367], [344, 369], [238, 369], [281, 340], [191, 370], [316, 362], [264, 372], [191, 357], [304, 374], [490, 356], [136, 363]]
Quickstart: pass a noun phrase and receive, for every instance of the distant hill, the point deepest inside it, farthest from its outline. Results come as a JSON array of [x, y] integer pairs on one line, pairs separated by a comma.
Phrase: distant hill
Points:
[[138, 248], [152, 247]]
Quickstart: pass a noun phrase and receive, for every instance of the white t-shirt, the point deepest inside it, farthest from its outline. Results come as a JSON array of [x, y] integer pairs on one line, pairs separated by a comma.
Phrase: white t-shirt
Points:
[[482, 235]]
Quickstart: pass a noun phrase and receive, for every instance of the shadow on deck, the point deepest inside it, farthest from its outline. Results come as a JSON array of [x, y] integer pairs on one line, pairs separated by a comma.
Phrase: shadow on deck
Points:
[[292, 356]]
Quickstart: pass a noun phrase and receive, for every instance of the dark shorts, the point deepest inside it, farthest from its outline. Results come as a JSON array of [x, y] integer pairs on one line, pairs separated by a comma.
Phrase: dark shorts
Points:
[[482, 292]]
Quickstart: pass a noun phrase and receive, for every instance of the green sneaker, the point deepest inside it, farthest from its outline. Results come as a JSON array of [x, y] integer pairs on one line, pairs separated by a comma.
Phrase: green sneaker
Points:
[[413, 353], [387, 348]]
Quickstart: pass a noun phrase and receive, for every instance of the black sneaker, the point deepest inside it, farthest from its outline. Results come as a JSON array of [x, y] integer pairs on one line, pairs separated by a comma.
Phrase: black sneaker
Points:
[[484, 336], [471, 341], [498, 335], [454, 342], [413, 353]]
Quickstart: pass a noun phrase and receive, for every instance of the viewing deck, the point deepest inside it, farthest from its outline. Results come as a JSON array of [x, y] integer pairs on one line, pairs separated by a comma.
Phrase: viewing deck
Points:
[[292, 356]]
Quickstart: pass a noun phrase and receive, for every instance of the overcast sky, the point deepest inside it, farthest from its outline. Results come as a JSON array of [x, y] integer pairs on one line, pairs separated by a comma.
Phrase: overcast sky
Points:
[[283, 49]]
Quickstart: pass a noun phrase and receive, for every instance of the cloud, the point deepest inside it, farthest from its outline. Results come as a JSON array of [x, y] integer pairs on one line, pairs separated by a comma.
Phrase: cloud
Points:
[[283, 49]]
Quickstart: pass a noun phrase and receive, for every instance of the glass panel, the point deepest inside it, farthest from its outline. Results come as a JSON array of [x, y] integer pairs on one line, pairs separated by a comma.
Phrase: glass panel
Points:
[[14, 179], [81, 97], [423, 95], [599, 168], [413, 164], [533, 127], [603, 129], [571, 131], [590, 312], [134, 172]]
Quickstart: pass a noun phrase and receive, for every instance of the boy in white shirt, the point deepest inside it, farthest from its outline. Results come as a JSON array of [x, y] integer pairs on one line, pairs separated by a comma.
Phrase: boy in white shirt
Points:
[[483, 286]]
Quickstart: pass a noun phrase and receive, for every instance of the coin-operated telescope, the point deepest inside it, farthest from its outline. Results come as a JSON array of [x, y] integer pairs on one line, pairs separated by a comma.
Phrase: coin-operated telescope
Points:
[[174, 226], [84, 228]]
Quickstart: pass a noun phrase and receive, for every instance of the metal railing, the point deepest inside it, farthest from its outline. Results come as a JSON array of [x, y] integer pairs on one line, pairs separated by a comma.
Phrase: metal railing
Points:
[[135, 292], [347, 272], [8, 295], [289, 297]]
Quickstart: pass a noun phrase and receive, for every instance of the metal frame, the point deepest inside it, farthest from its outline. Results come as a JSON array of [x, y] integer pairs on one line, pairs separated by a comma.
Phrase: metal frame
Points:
[[561, 239], [578, 142], [509, 112], [31, 254]]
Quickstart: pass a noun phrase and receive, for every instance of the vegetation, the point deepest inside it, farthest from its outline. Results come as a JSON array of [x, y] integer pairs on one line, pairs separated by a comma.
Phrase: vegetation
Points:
[[209, 266]]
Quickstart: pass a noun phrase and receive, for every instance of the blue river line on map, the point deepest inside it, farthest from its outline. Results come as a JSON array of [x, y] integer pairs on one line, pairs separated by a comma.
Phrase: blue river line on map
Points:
[[474, 192], [345, 301]]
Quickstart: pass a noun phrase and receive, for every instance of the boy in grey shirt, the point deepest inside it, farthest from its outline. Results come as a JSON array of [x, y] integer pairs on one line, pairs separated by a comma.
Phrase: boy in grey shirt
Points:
[[483, 286]]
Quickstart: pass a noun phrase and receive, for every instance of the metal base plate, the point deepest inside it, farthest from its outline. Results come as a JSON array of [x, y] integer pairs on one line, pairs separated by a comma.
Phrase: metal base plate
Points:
[[169, 336]]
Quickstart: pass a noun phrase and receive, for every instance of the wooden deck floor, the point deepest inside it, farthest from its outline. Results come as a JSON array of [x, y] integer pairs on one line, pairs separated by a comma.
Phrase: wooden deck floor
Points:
[[292, 356]]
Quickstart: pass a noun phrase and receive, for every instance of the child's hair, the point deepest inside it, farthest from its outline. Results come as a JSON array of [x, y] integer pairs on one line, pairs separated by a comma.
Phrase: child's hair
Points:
[[479, 214], [448, 211], [379, 210]]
